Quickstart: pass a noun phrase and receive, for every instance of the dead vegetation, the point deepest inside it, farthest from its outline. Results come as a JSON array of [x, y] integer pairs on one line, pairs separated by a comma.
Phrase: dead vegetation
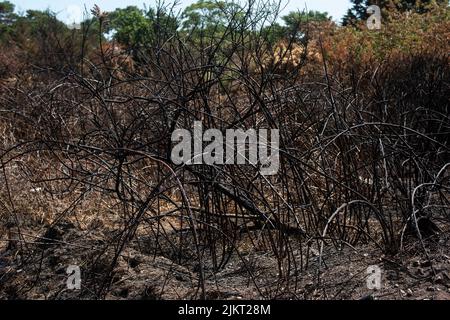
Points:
[[86, 176]]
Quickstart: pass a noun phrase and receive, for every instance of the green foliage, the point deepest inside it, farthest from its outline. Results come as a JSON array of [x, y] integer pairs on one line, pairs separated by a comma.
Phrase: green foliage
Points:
[[38, 25], [274, 33], [131, 26], [356, 12], [209, 17], [295, 19], [135, 27], [294, 22], [40, 19], [6, 10], [7, 18]]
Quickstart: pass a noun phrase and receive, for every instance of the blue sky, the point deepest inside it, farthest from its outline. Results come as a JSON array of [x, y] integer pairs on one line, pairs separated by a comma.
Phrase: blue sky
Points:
[[72, 9]]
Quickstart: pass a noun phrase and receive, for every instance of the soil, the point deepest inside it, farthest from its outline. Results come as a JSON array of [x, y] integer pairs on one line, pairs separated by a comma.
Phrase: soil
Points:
[[150, 268]]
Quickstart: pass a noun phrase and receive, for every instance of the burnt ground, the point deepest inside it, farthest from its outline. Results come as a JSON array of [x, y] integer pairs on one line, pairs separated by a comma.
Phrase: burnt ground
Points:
[[149, 268]]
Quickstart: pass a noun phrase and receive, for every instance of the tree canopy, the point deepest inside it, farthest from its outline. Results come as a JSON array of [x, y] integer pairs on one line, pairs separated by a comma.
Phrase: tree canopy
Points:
[[131, 26], [208, 16], [7, 17], [295, 18]]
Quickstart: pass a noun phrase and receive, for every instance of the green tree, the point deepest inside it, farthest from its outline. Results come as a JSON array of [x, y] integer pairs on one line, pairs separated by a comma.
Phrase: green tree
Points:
[[296, 18], [130, 26], [135, 27], [356, 12], [293, 23], [37, 25], [6, 11], [7, 18], [209, 16]]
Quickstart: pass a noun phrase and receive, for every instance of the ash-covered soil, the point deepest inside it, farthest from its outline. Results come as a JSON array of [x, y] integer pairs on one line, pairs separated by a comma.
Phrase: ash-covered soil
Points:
[[152, 267]]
